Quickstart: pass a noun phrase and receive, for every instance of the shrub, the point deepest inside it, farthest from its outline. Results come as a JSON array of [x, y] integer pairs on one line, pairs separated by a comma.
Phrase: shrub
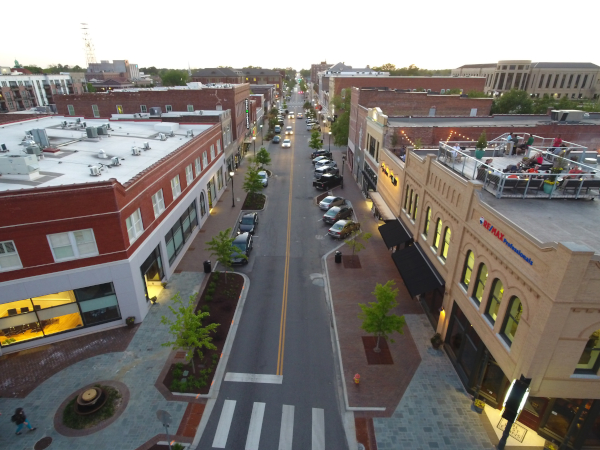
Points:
[[208, 298], [205, 308], [175, 386], [177, 372]]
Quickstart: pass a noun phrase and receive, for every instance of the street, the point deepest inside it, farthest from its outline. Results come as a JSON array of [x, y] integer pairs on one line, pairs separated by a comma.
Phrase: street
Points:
[[285, 331]]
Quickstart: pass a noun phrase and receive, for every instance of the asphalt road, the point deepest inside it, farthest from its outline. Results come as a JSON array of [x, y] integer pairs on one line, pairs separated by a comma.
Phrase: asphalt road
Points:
[[303, 411]]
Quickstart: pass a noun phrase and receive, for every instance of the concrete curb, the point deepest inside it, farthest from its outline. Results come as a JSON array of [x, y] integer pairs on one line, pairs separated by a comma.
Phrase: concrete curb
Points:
[[220, 372]]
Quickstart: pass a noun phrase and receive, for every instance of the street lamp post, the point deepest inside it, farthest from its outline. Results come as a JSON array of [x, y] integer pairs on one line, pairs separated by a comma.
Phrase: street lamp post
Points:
[[343, 163], [232, 197], [330, 141], [254, 140], [261, 136]]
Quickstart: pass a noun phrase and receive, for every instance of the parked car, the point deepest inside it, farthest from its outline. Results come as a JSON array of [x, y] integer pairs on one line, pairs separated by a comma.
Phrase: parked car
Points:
[[325, 162], [289, 130], [286, 143], [319, 158], [264, 178], [243, 246], [313, 126], [248, 223], [328, 181], [277, 129], [337, 213], [276, 139], [280, 122], [330, 201], [325, 169], [321, 152], [343, 228]]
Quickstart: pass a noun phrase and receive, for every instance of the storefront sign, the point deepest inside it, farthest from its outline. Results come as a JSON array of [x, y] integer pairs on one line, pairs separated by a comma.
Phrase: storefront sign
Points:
[[496, 232], [247, 114]]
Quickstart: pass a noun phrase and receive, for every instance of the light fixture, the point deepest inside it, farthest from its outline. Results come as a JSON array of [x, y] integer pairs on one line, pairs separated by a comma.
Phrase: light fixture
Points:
[[441, 309]]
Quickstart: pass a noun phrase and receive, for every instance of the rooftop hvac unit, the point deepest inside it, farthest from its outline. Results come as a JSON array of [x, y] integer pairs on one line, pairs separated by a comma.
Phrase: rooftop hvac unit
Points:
[[84, 125], [171, 134], [189, 133], [3, 148], [33, 150], [162, 136], [155, 111], [102, 130], [95, 171], [102, 154], [63, 124], [146, 146], [78, 120], [115, 161], [135, 151], [566, 115], [92, 132]]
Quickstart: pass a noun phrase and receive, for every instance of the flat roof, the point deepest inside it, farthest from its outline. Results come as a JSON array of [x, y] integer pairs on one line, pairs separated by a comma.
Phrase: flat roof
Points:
[[552, 221], [70, 165], [489, 121]]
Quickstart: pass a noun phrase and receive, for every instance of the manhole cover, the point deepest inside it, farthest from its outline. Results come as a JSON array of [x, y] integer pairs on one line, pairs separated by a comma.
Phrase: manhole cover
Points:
[[43, 443]]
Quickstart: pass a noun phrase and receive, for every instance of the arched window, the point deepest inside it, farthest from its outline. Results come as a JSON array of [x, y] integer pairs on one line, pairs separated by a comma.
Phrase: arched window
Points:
[[427, 220], [482, 275], [415, 206], [590, 358], [511, 321], [446, 244], [410, 199], [494, 301], [406, 207], [202, 205], [468, 270], [438, 232]]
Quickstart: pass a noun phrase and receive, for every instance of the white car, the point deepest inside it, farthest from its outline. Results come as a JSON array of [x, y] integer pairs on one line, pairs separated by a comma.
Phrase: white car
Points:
[[264, 178], [286, 143], [299, 115], [291, 116], [289, 130], [325, 162]]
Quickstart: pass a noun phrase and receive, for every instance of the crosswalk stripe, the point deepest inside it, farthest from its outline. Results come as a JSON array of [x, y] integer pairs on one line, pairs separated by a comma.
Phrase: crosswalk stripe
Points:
[[258, 412], [286, 433], [318, 429], [220, 439], [253, 378]]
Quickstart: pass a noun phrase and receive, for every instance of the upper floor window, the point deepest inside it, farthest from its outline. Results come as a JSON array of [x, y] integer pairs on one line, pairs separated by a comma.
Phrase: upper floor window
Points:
[[511, 321], [406, 198], [175, 186], [218, 146], [204, 159], [190, 108], [119, 109], [415, 206], [71, 110], [468, 270], [446, 244], [143, 109], [189, 174], [494, 301], [73, 244], [198, 166], [135, 227], [9, 257], [589, 362], [427, 220], [169, 108], [95, 111], [212, 152], [482, 275], [158, 203], [438, 233]]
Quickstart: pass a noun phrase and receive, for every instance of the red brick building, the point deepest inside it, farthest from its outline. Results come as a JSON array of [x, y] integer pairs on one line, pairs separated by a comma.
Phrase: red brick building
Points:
[[218, 75]]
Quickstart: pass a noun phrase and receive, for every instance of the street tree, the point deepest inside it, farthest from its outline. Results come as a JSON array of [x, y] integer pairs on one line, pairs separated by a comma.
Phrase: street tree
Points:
[[387, 67], [174, 78], [252, 182], [221, 246], [307, 105], [357, 239], [514, 101], [263, 157], [376, 316], [90, 87], [315, 140], [187, 330], [340, 129]]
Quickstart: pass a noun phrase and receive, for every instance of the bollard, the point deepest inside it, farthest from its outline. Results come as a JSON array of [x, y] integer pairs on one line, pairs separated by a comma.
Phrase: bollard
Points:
[[356, 379]]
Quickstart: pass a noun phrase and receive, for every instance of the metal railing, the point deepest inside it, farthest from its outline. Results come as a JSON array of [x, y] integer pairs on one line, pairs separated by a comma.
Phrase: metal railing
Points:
[[553, 182]]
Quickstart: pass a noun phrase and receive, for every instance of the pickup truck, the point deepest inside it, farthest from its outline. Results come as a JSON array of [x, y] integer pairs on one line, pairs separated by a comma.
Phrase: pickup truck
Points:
[[328, 181]]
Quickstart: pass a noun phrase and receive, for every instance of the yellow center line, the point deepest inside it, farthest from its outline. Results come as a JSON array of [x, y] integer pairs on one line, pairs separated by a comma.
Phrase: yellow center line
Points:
[[286, 274]]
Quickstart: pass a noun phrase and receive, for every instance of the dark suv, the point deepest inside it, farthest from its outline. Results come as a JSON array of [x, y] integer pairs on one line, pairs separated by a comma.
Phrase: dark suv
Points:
[[337, 213], [243, 246], [325, 153]]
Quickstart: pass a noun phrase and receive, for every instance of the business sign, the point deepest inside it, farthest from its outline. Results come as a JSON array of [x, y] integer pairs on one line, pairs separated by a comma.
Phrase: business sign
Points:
[[247, 114], [496, 232]]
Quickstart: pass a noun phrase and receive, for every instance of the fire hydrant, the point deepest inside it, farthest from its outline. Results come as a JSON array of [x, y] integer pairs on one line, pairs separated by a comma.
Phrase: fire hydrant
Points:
[[356, 379]]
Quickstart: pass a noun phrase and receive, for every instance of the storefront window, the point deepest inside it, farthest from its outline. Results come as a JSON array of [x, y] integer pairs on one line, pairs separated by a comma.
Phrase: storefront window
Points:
[[438, 232], [446, 246], [427, 220], [494, 301], [181, 231], [511, 322], [468, 269], [482, 275], [98, 303], [590, 358], [202, 204]]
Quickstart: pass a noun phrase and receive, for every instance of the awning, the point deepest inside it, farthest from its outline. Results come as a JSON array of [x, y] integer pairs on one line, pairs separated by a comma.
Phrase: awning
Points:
[[367, 177], [384, 211], [417, 272], [393, 233]]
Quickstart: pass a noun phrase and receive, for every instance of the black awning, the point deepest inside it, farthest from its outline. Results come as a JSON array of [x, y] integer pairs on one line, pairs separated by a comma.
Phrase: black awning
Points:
[[393, 233], [417, 272]]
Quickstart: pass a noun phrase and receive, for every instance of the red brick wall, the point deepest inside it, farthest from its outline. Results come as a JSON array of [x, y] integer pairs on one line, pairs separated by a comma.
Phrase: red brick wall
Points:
[[358, 117], [397, 104], [434, 83]]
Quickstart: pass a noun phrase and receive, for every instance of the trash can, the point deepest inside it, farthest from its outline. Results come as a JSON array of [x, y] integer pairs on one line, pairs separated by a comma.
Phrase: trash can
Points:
[[338, 257], [207, 267]]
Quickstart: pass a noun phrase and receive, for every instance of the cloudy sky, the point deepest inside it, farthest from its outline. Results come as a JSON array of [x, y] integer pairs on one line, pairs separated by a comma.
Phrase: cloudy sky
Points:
[[432, 34]]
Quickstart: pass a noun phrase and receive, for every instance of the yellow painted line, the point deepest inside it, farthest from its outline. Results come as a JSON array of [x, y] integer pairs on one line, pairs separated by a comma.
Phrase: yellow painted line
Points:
[[286, 274]]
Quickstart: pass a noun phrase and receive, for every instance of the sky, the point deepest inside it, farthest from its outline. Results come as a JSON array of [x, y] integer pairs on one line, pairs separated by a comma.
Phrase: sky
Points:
[[432, 34]]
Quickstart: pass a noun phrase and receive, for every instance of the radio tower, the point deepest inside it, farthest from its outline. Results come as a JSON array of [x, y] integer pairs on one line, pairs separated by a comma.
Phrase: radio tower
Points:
[[88, 46]]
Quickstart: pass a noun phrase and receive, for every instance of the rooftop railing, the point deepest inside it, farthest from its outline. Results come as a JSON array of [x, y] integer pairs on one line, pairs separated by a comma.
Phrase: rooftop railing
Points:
[[502, 176]]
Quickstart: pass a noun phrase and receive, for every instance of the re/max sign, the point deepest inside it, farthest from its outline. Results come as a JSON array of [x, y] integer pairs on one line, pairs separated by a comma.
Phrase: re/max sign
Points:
[[496, 232]]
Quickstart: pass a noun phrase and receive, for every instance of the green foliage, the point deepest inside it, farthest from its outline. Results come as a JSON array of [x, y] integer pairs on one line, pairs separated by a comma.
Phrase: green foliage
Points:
[[340, 129], [174, 78], [34, 69], [482, 141], [208, 298], [305, 73], [307, 105], [205, 308], [477, 94], [177, 446], [454, 91], [376, 316], [252, 182], [263, 157], [411, 71], [90, 87], [221, 246], [418, 143], [186, 328], [356, 240], [315, 140], [514, 101], [394, 138]]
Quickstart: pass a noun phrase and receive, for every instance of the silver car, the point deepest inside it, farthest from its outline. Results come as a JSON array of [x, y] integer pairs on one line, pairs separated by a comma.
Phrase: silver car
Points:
[[319, 158], [331, 201], [264, 178], [325, 163]]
